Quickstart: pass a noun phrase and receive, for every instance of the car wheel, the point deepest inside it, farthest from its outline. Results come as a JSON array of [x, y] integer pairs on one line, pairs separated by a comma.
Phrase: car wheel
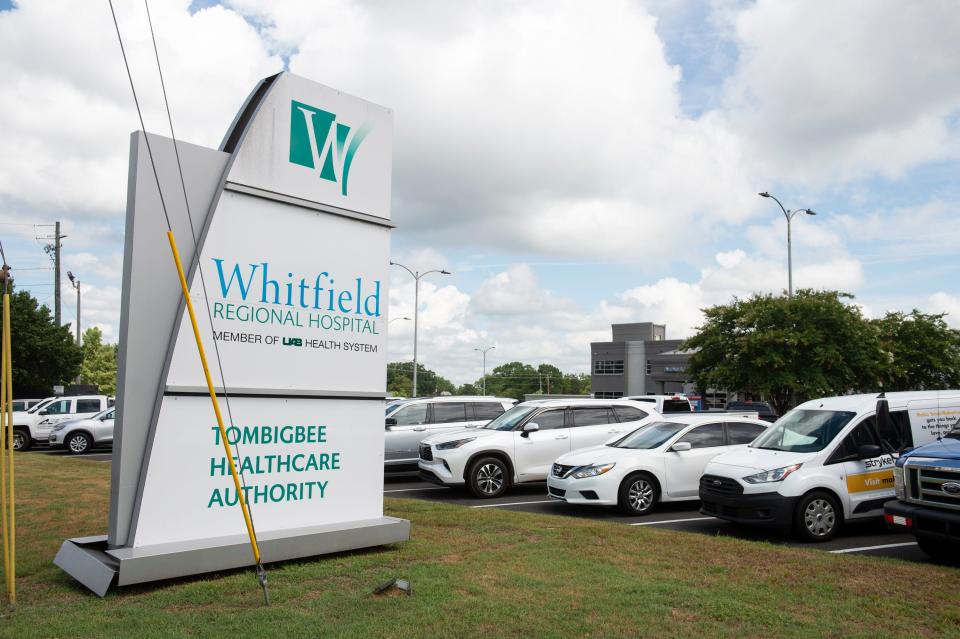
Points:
[[818, 517], [78, 443], [488, 477], [942, 551], [21, 439], [638, 494]]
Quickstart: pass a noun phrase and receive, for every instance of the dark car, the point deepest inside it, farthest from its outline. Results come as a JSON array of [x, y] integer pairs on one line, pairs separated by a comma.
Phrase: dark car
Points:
[[763, 409]]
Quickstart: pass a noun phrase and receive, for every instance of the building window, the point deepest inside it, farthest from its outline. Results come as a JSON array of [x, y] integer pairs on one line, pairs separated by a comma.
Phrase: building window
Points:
[[608, 367], [649, 368], [608, 394]]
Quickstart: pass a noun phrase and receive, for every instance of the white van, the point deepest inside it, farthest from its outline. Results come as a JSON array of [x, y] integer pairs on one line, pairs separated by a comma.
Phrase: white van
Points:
[[825, 462]]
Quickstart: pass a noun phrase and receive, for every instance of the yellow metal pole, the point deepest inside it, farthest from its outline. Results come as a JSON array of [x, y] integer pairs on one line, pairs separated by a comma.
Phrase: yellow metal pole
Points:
[[4, 427], [213, 398], [9, 411]]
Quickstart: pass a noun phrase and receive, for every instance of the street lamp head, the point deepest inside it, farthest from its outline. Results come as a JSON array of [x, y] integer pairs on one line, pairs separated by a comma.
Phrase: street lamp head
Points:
[[70, 275], [445, 272], [809, 212], [764, 194]]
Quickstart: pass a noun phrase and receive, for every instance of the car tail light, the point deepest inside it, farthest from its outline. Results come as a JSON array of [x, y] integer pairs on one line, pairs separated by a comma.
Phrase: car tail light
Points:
[[898, 520]]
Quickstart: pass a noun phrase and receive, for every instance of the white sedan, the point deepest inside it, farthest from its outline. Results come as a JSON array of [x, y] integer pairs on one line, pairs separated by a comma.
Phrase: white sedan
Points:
[[661, 461]]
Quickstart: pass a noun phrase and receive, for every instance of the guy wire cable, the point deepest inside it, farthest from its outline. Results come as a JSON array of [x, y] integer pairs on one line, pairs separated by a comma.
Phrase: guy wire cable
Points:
[[254, 546], [261, 572]]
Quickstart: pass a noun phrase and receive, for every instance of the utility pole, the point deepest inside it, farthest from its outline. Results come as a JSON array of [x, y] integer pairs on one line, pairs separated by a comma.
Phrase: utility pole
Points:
[[54, 249], [56, 273]]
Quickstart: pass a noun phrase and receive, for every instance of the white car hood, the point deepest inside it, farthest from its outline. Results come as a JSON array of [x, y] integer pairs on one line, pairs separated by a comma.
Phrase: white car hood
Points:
[[460, 433], [757, 460], [600, 455]]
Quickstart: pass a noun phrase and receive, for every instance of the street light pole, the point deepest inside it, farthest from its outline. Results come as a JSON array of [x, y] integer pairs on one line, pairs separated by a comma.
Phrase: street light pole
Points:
[[789, 215], [484, 378], [416, 275]]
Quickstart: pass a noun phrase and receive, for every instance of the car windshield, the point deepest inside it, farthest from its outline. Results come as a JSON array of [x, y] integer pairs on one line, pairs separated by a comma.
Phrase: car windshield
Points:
[[649, 436], [393, 407], [804, 431], [39, 406], [510, 419]]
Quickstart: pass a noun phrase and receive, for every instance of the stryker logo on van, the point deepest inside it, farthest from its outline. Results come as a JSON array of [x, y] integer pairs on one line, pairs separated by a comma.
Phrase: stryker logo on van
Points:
[[319, 142], [254, 281]]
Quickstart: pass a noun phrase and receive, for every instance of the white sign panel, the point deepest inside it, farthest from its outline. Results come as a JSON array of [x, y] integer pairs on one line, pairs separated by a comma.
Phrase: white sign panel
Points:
[[298, 300], [305, 463], [316, 143]]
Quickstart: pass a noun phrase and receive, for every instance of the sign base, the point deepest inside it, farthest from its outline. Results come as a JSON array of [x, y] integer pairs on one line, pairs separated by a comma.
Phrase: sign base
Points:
[[92, 563]]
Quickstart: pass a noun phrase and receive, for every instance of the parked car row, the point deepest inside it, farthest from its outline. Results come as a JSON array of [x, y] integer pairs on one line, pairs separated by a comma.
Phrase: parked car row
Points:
[[37, 423], [824, 463]]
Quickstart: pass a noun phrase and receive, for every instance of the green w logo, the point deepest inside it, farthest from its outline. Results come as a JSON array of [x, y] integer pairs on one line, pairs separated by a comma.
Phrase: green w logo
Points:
[[319, 142]]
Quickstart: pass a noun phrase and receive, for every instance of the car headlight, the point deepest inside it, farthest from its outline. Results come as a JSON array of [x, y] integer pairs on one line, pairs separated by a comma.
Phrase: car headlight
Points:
[[769, 476], [592, 471], [60, 426], [898, 486], [457, 443]]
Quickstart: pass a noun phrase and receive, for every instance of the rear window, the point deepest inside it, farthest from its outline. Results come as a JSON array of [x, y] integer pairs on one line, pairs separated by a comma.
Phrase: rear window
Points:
[[88, 406], [676, 406], [629, 414], [448, 412], [487, 410], [742, 432], [592, 416]]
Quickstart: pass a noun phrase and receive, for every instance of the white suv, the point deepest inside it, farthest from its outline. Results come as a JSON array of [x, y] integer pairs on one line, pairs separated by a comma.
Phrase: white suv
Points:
[[409, 421], [521, 445], [36, 427]]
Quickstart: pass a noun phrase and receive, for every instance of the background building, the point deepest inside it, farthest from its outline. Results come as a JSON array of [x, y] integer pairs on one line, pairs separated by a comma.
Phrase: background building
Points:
[[639, 360]]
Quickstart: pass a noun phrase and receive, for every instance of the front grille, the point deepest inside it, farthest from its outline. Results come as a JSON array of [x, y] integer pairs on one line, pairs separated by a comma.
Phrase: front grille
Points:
[[932, 485], [559, 470], [426, 453], [716, 485], [556, 492]]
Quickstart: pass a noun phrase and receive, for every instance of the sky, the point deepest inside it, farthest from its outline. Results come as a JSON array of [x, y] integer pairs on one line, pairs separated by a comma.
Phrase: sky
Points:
[[573, 164]]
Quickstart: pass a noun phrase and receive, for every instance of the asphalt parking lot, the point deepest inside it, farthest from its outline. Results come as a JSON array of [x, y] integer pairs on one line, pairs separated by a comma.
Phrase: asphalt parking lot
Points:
[[864, 538]]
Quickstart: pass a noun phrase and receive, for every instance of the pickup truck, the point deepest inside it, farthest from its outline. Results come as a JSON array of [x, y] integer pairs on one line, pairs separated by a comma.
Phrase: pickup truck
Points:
[[30, 428], [927, 484]]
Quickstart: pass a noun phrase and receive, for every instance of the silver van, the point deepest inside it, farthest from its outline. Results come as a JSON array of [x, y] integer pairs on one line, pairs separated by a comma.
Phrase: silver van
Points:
[[409, 421]]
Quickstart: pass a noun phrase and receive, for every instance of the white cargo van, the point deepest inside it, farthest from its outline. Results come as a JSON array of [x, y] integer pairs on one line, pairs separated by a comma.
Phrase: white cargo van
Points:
[[825, 462]]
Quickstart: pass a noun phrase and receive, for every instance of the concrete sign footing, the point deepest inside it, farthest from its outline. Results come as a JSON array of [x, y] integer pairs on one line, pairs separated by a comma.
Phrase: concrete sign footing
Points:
[[92, 563]]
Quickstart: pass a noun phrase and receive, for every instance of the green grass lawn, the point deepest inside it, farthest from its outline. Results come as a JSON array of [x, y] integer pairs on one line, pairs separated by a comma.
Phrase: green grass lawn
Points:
[[486, 572]]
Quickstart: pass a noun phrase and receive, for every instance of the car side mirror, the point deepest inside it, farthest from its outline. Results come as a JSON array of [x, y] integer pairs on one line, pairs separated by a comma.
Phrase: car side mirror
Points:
[[679, 447], [391, 421], [43, 411], [532, 427], [867, 451]]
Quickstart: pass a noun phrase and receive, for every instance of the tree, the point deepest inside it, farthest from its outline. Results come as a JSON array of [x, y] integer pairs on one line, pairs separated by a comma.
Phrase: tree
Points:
[[921, 352], [44, 354], [99, 362], [400, 382], [787, 349]]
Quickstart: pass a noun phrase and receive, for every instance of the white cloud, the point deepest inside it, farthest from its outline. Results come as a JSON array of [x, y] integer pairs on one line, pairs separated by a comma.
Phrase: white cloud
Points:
[[941, 302], [827, 92], [67, 106], [544, 126]]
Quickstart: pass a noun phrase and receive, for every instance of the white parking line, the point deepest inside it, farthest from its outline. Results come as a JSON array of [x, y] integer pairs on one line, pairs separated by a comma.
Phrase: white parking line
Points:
[[518, 503], [407, 490], [861, 549], [670, 521]]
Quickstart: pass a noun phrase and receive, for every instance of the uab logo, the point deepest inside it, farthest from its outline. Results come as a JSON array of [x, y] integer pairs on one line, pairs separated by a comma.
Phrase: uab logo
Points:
[[319, 142]]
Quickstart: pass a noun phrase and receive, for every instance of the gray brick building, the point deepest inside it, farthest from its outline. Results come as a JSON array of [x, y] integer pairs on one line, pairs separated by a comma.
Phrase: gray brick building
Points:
[[639, 360]]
